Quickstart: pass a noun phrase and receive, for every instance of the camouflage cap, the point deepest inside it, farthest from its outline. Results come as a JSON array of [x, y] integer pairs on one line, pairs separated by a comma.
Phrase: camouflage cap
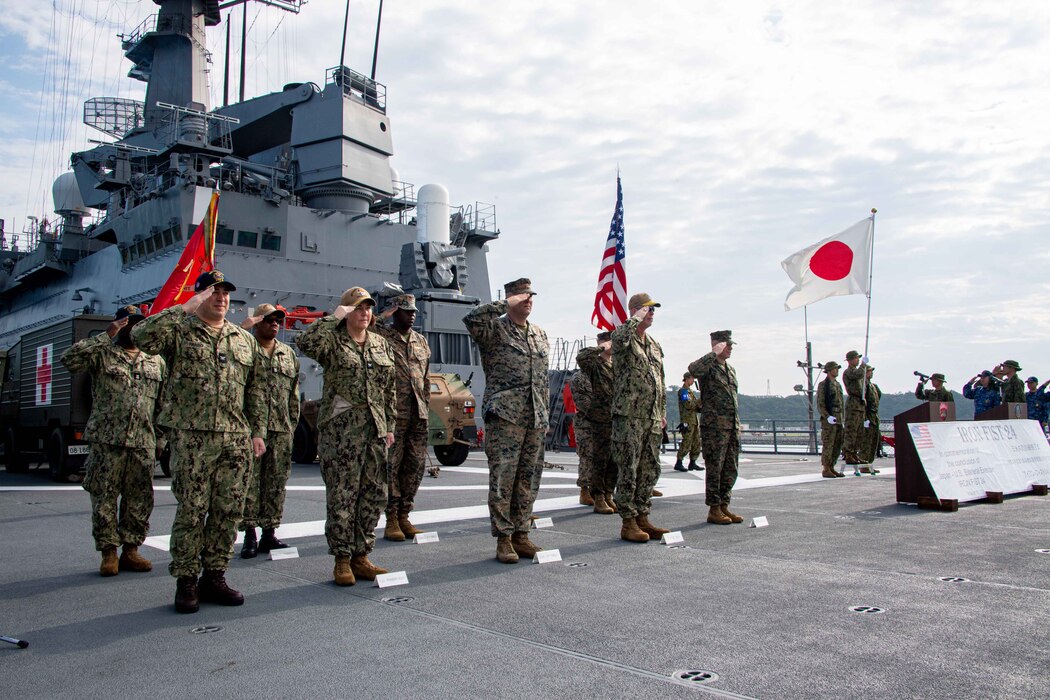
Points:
[[852, 354], [128, 312], [938, 376], [828, 366], [686, 377], [871, 368], [355, 296], [406, 302], [639, 300], [212, 278], [1033, 379], [268, 310], [521, 285], [1013, 364], [603, 336], [722, 337]]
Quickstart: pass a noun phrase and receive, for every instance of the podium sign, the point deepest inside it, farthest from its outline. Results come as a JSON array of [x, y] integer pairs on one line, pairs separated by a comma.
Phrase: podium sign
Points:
[[912, 483], [965, 460]]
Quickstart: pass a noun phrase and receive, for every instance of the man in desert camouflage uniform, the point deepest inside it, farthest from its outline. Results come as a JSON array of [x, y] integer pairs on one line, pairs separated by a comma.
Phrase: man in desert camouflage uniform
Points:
[[688, 416], [853, 380], [125, 383], [264, 501], [937, 393], [829, 403], [592, 388], [408, 456], [214, 407], [514, 356], [356, 424], [639, 409]]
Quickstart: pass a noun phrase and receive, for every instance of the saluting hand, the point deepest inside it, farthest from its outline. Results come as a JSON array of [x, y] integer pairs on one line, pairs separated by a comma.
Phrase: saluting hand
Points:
[[642, 312], [515, 299], [115, 327], [248, 323], [342, 311], [191, 304], [718, 348], [388, 313]]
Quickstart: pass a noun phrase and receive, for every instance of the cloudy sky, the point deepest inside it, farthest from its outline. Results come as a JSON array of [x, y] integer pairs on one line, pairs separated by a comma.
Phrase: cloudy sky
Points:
[[744, 132]]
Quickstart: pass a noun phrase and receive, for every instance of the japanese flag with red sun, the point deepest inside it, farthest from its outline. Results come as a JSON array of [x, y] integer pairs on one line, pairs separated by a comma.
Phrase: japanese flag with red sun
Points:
[[836, 266]]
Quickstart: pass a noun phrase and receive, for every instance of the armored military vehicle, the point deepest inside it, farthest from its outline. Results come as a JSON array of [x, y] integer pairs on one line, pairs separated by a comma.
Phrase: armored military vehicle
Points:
[[309, 203]]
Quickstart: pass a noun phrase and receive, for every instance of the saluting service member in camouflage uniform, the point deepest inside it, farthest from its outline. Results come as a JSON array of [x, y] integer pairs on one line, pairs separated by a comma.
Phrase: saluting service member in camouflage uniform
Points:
[[719, 425], [264, 501], [1012, 388], [356, 424], [592, 390], [514, 356], [688, 414], [214, 407], [829, 403], [937, 393], [125, 383], [853, 381], [869, 447], [639, 409], [408, 456]]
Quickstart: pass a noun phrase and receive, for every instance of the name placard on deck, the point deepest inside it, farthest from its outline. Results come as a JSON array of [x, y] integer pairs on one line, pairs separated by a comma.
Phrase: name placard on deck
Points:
[[546, 556], [673, 537], [425, 537], [289, 553], [543, 522], [394, 578], [760, 521]]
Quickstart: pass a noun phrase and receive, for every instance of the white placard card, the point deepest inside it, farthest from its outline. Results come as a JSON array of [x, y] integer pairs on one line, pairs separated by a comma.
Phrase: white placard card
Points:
[[673, 537], [289, 553], [542, 522], [394, 578], [546, 556], [425, 537], [760, 521], [964, 459]]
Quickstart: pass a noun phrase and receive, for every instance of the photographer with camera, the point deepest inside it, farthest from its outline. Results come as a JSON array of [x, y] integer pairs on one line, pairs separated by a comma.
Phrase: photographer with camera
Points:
[[937, 393], [984, 391]]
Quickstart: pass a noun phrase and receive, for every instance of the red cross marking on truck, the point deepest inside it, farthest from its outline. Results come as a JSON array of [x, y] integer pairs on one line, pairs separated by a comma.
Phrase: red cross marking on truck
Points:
[[43, 375]]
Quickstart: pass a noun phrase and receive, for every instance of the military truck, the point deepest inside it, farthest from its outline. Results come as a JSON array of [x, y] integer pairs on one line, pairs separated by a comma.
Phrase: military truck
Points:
[[43, 408], [452, 430]]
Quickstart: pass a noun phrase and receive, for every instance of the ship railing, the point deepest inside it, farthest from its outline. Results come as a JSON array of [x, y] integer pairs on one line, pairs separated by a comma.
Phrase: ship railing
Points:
[[195, 128], [782, 436], [175, 24], [398, 207], [359, 86]]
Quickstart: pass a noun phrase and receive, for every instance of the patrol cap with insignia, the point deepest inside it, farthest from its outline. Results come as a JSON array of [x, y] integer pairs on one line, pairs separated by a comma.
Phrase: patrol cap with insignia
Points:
[[1033, 379], [603, 336], [406, 302], [1012, 363], [722, 337], [278, 312], [851, 354], [518, 286], [131, 313], [355, 296], [639, 300], [831, 365], [938, 376], [212, 278]]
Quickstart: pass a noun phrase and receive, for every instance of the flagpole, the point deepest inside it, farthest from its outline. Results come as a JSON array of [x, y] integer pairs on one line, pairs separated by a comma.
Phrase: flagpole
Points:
[[867, 325]]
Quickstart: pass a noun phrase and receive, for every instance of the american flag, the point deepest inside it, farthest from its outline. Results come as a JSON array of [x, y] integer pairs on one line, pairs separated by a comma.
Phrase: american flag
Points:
[[610, 302], [920, 434]]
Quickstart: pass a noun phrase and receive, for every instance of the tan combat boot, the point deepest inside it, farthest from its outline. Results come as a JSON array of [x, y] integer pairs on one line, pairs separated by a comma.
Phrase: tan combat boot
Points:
[[407, 527], [610, 502], [657, 494], [365, 569], [648, 528], [731, 515], [828, 473], [523, 546], [109, 566], [716, 516], [393, 531], [601, 505], [504, 551], [342, 574], [585, 497], [631, 532], [131, 560]]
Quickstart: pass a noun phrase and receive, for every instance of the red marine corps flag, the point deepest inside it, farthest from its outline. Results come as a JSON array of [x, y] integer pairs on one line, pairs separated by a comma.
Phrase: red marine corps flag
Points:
[[198, 257], [610, 303]]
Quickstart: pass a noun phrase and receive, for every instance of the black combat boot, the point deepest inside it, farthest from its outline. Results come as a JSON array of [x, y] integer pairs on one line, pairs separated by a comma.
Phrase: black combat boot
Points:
[[269, 541], [694, 467], [214, 589], [251, 546], [186, 600], [679, 467]]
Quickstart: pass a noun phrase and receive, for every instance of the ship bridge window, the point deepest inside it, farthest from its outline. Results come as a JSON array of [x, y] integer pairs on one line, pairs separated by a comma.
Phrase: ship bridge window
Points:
[[224, 235], [247, 239], [271, 241]]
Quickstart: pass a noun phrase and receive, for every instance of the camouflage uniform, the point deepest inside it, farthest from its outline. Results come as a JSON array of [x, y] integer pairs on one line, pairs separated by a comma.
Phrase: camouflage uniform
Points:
[[358, 409], [869, 447], [719, 426], [639, 407], [595, 412], [853, 436], [264, 501], [941, 394], [1013, 390], [580, 385], [984, 398], [688, 413], [408, 455], [120, 465], [829, 402], [515, 407], [213, 404]]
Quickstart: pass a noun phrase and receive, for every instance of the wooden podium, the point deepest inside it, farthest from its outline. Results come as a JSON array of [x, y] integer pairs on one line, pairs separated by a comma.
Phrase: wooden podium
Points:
[[912, 483], [1004, 411]]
